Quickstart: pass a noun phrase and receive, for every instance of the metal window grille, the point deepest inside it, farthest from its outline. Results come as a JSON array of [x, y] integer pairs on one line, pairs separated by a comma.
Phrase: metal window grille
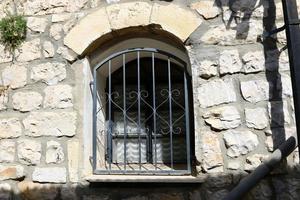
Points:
[[142, 95]]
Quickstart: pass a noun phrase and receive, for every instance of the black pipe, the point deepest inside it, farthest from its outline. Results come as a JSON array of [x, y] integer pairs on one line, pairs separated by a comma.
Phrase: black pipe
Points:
[[292, 29], [262, 170]]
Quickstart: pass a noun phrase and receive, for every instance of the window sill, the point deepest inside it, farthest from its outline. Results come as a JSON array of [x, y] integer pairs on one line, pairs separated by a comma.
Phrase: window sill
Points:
[[145, 179]]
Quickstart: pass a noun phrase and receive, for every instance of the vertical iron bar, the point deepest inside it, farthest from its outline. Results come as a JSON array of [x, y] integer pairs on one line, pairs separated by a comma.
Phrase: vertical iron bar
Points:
[[124, 112], [187, 122], [95, 120], [170, 113], [154, 110], [139, 109], [291, 21], [109, 116]]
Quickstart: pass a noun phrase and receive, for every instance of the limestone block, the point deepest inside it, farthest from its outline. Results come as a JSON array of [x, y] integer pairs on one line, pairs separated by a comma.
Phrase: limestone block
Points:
[[256, 118], [212, 159], [216, 92], [254, 62], [37, 24], [26, 101], [10, 128], [269, 143], [29, 50], [11, 172], [91, 27], [58, 96], [73, 159], [5, 56], [56, 31], [14, 76], [207, 69], [29, 152], [3, 97], [49, 73], [234, 165], [186, 21], [54, 153], [129, 14], [230, 62], [284, 85], [60, 17], [223, 118], [256, 90], [239, 142], [31, 191], [7, 151], [50, 175], [276, 60], [279, 113], [207, 9], [48, 49], [253, 161], [67, 54], [50, 124]]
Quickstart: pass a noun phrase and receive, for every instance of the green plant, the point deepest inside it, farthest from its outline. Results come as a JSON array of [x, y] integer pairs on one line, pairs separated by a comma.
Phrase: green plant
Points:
[[12, 31]]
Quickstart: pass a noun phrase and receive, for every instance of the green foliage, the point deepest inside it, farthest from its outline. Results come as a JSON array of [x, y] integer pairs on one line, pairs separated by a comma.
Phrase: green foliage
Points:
[[12, 31]]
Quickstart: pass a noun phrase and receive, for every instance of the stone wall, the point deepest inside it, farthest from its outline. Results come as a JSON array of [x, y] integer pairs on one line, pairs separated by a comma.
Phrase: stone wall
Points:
[[243, 104]]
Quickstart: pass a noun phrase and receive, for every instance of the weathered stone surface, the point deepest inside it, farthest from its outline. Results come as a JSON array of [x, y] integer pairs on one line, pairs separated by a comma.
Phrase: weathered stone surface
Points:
[[26, 101], [219, 35], [3, 97], [50, 124], [269, 143], [240, 142], [54, 153], [29, 152], [5, 56], [31, 191], [256, 90], [56, 31], [7, 151], [50, 175], [207, 69], [276, 60], [212, 159], [48, 49], [60, 17], [279, 113], [207, 9], [49, 73], [253, 161], [216, 92], [11, 172], [29, 50], [40, 7], [223, 118], [284, 85], [66, 53], [254, 62], [10, 128], [186, 21], [37, 24], [14, 76], [234, 164], [58, 96], [256, 118], [73, 160], [5, 191], [129, 14], [91, 27], [230, 62]]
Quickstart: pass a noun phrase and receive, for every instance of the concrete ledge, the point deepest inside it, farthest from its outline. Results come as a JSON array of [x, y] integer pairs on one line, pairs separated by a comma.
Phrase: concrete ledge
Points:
[[145, 179]]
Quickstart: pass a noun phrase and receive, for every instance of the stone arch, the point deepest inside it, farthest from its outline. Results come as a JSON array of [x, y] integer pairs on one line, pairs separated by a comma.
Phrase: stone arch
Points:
[[175, 19]]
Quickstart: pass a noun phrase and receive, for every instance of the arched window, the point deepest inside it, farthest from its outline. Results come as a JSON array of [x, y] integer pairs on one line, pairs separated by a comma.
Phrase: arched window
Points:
[[141, 113]]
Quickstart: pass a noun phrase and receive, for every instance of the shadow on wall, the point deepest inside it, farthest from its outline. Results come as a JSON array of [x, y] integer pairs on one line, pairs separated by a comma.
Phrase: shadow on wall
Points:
[[239, 20]]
